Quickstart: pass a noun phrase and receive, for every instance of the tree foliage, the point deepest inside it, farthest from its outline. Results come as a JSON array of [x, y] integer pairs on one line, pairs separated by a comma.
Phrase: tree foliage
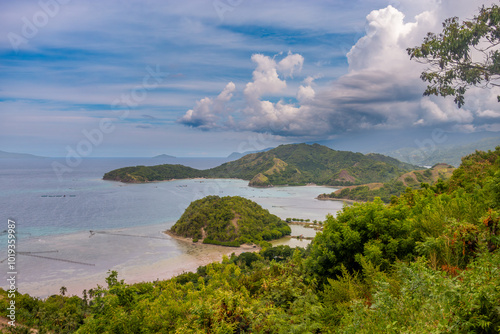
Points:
[[462, 55], [229, 221]]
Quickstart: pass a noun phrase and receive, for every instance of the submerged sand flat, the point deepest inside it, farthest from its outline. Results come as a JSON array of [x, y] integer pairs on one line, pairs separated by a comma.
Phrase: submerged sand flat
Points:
[[136, 259]]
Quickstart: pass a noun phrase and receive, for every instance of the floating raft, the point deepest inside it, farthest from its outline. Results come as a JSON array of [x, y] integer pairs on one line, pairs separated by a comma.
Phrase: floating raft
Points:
[[92, 233], [58, 196], [36, 254], [55, 259]]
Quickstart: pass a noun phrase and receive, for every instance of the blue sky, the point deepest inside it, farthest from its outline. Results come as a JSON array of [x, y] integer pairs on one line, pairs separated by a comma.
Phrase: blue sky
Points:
[[207, 78]]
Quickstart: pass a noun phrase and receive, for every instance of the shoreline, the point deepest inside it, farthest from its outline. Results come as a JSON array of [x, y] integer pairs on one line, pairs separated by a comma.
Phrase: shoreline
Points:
[[311, 184], [345, 200], [200, 243], [143, 252], [186, 179], [145, 256]]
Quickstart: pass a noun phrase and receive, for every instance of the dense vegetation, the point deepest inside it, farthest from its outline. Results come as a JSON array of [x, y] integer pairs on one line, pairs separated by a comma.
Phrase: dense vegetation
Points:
[[364, 193], [396, 187], [429, 262], [229, 221], [139, 174], [295, 164]]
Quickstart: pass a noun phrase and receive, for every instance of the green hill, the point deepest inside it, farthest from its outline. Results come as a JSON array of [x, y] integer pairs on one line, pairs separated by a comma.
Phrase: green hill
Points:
[[139, 174], [229, 221], [395, 187], [294, 164], [476, 171]]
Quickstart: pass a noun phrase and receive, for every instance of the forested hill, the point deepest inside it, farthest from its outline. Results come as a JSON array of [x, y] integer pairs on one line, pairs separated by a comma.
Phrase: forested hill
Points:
[[395, 187], [229, 221], [294, 164]]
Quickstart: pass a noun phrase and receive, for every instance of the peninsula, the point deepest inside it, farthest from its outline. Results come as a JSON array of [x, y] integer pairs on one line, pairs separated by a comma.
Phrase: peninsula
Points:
[[293, 164]]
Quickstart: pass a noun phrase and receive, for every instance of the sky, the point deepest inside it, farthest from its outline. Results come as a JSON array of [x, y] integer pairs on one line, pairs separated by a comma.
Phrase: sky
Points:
[[212, 77]]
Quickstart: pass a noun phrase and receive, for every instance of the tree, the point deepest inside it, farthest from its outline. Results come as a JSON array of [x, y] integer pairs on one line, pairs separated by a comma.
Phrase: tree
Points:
[[463, 55], [63, 290]]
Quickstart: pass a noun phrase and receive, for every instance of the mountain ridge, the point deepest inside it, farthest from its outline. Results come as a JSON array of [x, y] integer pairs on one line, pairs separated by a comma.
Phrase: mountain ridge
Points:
[[11, 155], [164, 156]]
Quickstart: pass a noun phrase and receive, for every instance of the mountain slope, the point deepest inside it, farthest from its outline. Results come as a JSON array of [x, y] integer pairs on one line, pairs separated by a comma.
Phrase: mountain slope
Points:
[[294, 164], [395, 187]]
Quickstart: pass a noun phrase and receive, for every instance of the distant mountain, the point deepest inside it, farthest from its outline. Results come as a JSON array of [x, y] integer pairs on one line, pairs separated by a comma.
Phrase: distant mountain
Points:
[[237, 155], [9, 155], [451, 154], [294, 164], [164, 156], [387, 141]]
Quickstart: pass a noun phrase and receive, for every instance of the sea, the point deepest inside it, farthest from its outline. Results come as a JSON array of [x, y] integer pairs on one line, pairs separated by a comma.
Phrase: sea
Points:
[[71, 227]]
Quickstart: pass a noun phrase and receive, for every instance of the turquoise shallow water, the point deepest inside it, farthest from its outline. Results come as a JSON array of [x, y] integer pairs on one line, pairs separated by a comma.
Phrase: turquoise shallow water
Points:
[[54, 216]]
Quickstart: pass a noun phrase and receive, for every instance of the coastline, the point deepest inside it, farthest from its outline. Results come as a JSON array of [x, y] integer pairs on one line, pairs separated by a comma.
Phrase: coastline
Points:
[[141, 252], [312, 184], [199, 243], [151, 255], [344, 200]]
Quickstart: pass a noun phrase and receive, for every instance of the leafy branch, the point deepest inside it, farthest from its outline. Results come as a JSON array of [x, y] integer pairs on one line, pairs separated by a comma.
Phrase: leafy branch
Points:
[[463, 55]]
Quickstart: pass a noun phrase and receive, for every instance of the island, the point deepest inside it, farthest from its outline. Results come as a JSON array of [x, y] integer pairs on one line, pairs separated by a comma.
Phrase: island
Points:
[[293, 164], [229, 221], [164, 156]]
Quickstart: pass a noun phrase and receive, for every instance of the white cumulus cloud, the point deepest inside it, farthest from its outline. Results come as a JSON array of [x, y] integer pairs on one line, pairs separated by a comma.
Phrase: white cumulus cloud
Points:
[[381, 90], [207, 111]]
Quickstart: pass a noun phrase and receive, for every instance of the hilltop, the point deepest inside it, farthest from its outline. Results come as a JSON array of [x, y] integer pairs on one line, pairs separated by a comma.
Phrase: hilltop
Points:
[[229, 221], [294, 164]]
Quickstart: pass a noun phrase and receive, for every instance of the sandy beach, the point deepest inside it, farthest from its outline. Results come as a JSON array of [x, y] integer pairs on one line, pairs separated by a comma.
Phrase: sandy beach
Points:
[[140, 254]]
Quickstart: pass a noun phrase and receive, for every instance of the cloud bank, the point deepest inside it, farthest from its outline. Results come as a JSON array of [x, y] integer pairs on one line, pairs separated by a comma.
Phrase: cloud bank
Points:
[[381, 89]]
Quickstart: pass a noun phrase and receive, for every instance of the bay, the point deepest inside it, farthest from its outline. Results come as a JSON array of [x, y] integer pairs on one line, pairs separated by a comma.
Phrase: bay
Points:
[[55, 212]]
